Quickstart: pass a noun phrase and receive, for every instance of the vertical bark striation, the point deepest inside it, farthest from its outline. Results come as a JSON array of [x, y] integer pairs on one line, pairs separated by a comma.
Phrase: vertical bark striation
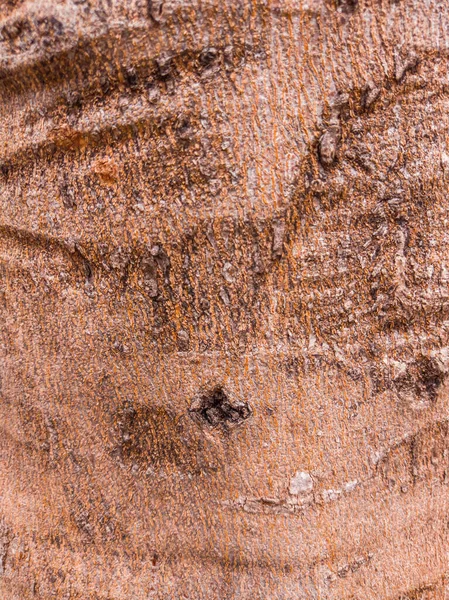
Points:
[[224, 293]]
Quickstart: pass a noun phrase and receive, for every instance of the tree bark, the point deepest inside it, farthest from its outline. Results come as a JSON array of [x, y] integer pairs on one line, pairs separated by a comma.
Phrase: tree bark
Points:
[[224, 299]]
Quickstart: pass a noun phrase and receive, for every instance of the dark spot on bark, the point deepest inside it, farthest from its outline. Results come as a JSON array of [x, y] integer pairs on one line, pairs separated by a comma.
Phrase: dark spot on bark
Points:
[[85, 264], [347, 6], [130, 78], [430, 377], [5, 170], [154, 10], [423, 378], [153, 93], [216, 408], [292, 366], [422, 592], [49, 25], [355, 373], [14, 29], [88, 271], [184, 130], [279, 229], [207, 57], [68, 196], [370, 93], [74, 101], [165, 67], [413, 450], [105, 84], [151, 437]]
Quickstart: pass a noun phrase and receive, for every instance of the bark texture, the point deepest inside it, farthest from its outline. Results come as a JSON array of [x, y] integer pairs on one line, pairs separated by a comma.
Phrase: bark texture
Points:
[[224, 292]]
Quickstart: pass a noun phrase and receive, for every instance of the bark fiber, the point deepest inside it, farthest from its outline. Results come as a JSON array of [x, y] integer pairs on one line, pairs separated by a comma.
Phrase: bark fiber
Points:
[[224, 299]]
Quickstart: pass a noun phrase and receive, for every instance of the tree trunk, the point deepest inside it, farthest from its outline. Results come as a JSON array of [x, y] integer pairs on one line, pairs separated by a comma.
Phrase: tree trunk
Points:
[[224, 291]]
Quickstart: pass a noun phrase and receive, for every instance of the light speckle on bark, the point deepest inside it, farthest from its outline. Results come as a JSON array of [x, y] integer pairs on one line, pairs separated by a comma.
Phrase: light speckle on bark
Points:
[[300, 483]]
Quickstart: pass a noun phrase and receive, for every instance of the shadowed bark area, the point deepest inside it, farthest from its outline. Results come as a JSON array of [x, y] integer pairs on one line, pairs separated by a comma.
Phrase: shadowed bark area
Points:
[[224, 297]]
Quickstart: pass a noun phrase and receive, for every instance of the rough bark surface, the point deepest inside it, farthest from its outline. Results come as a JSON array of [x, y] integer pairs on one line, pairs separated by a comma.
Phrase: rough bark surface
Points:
[[224, 291]]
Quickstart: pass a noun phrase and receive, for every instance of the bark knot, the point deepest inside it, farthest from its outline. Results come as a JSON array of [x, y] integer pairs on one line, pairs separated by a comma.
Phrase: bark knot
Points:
[[215, 408]]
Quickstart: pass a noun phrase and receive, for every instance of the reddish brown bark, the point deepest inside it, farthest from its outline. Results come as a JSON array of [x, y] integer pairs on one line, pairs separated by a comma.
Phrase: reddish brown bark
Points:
[[224, 299]]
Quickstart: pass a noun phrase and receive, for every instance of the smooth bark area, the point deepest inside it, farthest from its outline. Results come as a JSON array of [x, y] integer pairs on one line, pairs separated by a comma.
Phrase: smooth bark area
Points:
[[224, 292]]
